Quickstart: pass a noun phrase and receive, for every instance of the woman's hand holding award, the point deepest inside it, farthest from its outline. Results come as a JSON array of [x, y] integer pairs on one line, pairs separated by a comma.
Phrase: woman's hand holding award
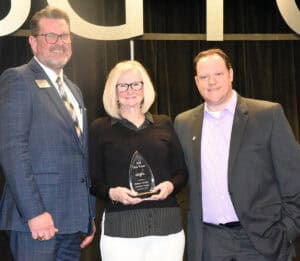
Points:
[[141, 179]]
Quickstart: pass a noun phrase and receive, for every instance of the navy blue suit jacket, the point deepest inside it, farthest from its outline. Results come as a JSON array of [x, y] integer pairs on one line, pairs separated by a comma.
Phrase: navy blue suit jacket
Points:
[[44, 162]]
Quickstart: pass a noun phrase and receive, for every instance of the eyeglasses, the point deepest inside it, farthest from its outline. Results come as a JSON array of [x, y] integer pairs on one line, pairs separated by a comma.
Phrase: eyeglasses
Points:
[[52, 38], [136, 86]]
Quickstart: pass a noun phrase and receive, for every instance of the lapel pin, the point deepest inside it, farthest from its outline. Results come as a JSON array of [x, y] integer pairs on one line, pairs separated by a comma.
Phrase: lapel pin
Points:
[[42, 84]]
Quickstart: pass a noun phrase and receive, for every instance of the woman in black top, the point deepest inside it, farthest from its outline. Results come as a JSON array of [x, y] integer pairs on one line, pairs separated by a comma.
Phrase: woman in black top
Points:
[[136, 227]]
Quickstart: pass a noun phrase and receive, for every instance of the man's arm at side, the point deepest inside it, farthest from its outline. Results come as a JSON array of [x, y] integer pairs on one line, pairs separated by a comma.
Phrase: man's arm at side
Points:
[[16, 117]]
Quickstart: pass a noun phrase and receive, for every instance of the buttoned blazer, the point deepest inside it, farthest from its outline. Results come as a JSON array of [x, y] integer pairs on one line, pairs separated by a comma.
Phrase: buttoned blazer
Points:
[[45, 164], [263, 175]]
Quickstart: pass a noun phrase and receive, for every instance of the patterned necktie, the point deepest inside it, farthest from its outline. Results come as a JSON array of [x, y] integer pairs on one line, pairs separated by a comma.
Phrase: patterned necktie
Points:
[[69, 106]]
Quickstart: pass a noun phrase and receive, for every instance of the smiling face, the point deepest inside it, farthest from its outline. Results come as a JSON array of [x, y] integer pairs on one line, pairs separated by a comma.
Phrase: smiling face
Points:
[[55, 56], [130, 98], [214, 81]]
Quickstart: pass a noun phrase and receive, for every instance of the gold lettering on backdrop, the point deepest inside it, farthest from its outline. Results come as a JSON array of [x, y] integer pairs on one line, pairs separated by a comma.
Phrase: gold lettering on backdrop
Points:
[[214, 20], [290, 13], [133, 27], [16, 16]]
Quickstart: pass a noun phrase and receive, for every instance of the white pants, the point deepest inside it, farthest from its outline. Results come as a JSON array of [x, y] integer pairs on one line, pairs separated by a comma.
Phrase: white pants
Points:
[[149, 248]]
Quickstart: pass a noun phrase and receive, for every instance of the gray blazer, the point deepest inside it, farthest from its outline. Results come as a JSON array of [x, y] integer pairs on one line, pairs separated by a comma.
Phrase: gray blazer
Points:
[[44, 162], [263, 174]]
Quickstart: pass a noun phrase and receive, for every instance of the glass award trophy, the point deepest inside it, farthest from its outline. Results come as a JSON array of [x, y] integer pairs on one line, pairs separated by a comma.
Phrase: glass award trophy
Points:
[[141, 179]]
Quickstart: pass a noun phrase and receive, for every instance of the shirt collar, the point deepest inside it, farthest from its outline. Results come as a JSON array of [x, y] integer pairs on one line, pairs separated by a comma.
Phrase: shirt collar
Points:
[[50, 73], [148, 118]]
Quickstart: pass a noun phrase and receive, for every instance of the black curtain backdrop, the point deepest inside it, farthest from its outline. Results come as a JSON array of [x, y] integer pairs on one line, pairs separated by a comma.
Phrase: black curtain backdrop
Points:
[[262, 69]]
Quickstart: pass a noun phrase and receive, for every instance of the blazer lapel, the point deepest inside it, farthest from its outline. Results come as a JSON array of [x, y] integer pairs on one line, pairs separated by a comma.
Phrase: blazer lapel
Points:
[[51, 92], [237, 133], [55, 98], [196, 135]]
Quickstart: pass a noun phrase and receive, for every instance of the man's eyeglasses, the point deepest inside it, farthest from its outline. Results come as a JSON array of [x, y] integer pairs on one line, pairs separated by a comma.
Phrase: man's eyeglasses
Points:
[[52, 38], [136, 86]]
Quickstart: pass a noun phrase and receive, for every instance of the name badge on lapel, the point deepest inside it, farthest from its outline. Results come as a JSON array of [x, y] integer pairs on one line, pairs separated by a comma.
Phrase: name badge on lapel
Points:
[[42, 84]]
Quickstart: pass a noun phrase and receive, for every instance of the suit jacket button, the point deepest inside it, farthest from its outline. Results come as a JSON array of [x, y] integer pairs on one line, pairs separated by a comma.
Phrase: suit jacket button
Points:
[[83, 180]]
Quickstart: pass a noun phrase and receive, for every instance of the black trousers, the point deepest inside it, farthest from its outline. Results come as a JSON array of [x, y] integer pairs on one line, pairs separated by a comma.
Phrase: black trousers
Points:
[[5, 254], [231, 244]]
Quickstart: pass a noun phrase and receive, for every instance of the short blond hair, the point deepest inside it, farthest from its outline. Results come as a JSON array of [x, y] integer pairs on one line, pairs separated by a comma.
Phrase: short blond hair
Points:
[[110, 100]]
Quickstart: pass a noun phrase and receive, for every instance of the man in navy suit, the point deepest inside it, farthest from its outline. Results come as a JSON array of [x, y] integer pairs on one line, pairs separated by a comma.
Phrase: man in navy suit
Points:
[[244, 171], [46, 205]]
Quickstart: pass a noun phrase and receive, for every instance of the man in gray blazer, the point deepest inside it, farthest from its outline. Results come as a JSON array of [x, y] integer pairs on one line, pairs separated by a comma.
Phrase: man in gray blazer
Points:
[[244, 167], [46, 205]]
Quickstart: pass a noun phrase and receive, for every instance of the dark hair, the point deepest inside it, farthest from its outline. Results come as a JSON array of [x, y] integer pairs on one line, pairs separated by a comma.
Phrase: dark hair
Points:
[[210, 52], [48, 12]]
